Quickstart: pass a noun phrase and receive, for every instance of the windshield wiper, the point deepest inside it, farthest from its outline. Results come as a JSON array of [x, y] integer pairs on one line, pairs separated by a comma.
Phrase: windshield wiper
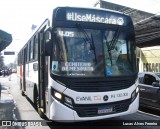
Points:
[[112, 44], [114, 40], [88, 39]]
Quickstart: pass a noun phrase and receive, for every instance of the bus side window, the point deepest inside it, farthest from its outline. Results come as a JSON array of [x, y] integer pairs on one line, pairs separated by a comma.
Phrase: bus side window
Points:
[[35, 47], [31, 50], [27, 53]]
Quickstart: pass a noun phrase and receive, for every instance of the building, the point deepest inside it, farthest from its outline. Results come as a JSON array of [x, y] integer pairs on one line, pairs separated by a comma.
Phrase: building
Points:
[[149, 59]]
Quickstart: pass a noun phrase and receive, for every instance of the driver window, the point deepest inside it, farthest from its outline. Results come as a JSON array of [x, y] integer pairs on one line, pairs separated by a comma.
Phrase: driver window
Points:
[[149, 79]]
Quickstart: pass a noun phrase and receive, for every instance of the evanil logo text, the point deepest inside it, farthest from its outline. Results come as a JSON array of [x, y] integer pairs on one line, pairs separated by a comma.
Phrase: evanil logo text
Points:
[[83, 98], [94, 18]]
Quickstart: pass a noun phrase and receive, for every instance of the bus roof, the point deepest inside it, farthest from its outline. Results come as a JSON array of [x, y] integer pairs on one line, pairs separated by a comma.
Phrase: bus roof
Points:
[[92, 8]]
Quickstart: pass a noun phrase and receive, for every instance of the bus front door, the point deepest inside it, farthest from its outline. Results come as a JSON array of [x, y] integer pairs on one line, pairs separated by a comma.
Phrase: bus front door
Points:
[[41, 74], [24, 71]]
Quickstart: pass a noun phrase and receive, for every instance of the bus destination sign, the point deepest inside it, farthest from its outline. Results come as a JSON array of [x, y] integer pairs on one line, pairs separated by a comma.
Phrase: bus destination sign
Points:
[[101, 17]]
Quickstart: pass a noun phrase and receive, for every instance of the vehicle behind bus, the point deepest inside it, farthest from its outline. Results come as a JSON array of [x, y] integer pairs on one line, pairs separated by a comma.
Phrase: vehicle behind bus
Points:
[[149, 84]]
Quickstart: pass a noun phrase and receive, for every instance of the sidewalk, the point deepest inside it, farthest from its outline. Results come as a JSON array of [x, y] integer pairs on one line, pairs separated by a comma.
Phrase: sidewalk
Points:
[[7, 103], [15, 107]]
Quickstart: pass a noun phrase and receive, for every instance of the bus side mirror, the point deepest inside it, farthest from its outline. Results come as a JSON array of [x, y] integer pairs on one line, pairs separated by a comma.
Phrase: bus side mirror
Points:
[[48, 42]]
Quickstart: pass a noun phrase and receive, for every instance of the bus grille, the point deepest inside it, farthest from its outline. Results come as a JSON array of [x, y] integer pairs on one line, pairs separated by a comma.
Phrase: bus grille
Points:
[[92, 110], [100, 86]]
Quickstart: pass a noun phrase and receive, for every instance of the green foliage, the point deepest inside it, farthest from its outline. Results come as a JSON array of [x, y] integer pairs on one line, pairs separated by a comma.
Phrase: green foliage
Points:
[[1, 61]]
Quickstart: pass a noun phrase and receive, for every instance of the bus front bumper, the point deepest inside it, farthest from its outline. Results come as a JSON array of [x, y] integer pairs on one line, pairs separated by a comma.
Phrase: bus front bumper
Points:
[[61, 113]]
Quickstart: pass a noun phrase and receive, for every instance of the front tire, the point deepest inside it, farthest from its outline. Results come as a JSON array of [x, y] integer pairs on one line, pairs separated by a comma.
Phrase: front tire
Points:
[[37, 106], [36, 100], [41, 113]]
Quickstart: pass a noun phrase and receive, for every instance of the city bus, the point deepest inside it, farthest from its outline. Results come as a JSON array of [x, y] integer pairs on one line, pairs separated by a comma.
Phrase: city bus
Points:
[[80, 65]]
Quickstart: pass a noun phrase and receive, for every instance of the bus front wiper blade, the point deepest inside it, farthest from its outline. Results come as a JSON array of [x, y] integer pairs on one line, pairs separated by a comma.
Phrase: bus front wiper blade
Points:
[[111, 45], [114, 40], [92, 41], [88, 39]]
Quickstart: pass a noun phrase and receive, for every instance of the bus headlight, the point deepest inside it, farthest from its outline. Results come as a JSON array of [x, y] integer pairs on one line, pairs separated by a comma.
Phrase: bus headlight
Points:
[[62, 98], [57, 95], [68, 100], [134, 94]]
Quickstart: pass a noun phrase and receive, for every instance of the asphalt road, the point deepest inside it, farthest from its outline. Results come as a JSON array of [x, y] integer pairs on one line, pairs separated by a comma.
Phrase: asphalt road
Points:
[[23, 110]]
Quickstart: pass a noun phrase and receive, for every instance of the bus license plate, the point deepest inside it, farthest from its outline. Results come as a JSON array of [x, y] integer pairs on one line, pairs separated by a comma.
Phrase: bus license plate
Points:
[[105, 110]]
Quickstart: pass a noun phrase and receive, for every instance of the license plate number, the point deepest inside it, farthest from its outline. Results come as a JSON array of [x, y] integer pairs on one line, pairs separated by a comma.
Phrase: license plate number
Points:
[[105, 110]]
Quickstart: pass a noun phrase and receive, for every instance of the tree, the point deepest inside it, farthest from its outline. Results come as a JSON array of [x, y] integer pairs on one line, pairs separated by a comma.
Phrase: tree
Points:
[[1, 61]]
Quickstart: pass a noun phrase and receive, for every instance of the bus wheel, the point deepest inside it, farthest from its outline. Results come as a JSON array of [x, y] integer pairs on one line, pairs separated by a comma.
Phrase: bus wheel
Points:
[[37, 106], [41, 113], [36, 99]]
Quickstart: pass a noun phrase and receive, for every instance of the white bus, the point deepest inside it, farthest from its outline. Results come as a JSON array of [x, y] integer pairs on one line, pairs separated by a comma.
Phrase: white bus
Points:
[[81, 65]]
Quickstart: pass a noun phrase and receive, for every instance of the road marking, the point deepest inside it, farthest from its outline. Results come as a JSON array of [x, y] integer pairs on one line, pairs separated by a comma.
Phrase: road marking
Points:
[[149, 114]]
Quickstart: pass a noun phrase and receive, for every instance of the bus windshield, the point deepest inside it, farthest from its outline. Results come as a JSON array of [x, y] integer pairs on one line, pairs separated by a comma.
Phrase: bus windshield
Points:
[[92, 53]]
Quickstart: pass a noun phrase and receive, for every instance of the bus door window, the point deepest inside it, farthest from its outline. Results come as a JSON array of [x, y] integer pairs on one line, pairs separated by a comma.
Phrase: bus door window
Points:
[[35, 47], [61, 49], [58, 54]]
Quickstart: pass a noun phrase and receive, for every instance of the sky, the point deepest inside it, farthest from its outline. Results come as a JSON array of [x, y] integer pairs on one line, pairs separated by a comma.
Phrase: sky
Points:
[[17, 16]]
